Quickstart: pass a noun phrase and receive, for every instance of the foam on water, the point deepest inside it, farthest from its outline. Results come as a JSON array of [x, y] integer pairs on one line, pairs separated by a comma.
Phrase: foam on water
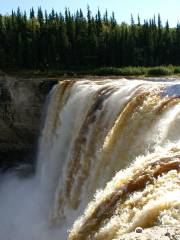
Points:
[[91, 131]]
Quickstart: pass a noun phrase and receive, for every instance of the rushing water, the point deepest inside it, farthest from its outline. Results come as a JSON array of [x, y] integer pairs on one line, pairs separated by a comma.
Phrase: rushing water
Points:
[[92, 130]]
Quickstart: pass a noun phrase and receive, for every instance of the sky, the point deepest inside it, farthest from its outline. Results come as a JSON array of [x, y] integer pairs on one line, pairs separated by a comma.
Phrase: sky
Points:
[[168, 9]]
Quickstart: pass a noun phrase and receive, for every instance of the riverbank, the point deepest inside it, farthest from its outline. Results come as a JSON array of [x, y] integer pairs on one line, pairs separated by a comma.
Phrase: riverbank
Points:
[[158, 71]]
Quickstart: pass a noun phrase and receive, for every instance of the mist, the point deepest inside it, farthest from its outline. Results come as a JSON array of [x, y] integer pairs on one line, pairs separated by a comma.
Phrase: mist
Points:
[[85, 141], [24, 213]]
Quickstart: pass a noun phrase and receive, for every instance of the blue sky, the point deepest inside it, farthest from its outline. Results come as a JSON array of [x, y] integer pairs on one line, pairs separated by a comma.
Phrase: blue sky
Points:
[[168, 9]]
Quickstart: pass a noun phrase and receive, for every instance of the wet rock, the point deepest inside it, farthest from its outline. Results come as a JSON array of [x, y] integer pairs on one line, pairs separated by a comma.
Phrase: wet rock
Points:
[[21, 106]]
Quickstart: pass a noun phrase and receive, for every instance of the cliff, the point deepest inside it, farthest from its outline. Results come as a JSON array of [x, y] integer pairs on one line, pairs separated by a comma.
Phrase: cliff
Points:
[[21, 105]]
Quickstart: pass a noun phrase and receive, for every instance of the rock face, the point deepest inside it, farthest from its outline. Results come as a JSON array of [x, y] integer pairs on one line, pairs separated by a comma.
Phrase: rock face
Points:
[[21, 105]]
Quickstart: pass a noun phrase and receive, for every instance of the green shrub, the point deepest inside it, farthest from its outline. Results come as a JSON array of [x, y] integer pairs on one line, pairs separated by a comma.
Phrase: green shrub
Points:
[[177, 70], [124, 71], [107, 71], [160, 71], [133, 71]]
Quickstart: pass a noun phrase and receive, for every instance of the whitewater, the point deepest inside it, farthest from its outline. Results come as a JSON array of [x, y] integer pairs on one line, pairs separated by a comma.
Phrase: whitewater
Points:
[[108, 162]]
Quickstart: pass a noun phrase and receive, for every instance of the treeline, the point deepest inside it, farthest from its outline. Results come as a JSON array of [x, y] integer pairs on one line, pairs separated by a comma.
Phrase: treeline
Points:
[[73, 41]]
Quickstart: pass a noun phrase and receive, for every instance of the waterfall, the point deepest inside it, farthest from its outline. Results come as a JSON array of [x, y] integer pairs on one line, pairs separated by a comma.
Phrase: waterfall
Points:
[[94, 129]]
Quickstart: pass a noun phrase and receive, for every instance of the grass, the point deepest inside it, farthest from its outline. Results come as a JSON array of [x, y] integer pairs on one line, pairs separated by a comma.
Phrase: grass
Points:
[[103, 71]]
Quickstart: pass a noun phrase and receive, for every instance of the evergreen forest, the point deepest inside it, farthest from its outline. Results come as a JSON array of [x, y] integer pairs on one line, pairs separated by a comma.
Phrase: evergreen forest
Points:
[[42, 40]]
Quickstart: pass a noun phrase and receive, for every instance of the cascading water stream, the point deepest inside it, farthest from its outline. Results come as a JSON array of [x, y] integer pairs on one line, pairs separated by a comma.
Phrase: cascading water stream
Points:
[[93, 129]]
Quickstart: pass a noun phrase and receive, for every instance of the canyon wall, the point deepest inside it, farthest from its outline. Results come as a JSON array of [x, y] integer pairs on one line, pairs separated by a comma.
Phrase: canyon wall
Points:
[[21, 106]]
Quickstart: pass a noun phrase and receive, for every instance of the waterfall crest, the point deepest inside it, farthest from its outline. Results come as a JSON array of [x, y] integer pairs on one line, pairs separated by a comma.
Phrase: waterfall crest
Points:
[[93, 130]]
